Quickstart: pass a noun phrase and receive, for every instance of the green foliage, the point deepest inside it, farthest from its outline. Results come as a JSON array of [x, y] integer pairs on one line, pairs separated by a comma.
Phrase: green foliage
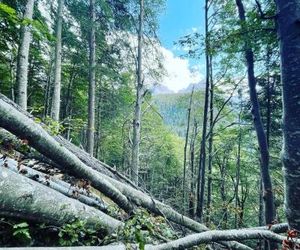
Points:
[[142, 228], [21, 232], [77, 233], [9, 13], [174, 109], [52, 126]]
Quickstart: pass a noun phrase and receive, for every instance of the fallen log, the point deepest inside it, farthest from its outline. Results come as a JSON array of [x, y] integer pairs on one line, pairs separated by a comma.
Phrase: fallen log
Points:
[[216, 236], [23, 198], [95, 163], [25, 128], [21, 124], [9, 143], [120, 246], [56, 184], [276, 228]]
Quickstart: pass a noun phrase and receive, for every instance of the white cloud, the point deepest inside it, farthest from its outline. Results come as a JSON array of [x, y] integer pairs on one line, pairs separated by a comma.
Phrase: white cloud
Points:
[[179, 74]]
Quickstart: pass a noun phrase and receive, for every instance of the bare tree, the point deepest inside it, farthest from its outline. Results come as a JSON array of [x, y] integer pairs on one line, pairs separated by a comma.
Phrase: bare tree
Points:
[[202, 159], [55, 108], [138, 102], [92, 80], [185, 149], [23, 54]]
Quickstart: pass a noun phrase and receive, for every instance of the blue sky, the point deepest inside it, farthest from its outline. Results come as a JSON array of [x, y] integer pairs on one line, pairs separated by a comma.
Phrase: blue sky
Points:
[[180, 18]]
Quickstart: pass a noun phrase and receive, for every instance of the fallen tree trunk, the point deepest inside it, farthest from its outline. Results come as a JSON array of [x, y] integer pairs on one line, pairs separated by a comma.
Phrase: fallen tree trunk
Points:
[[276, 228], [81, 154], [95, 163], [215, 236], [20, 123], [9, 141], [56, 184], [25, 128], [23, 198]]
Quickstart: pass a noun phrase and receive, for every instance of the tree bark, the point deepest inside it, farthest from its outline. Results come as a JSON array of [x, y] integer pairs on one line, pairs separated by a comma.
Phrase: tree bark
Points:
[[210, 145], [238, 168], [213, 236], [289, 35], [56, 99], [60, 186], [23, 55], [259, 128], [92, 81], [39, 203], [202, 159], [138, 103], [185, 151], [192, 197]]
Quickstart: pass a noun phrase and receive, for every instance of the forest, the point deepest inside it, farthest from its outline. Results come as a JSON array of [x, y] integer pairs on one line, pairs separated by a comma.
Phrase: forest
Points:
[[96, 150]]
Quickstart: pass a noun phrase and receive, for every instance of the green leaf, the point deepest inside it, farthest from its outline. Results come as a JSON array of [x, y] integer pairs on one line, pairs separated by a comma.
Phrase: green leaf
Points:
[[21, 225]]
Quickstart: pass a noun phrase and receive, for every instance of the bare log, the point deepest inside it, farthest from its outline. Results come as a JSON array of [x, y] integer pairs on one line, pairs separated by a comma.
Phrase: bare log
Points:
[[81, 154], [276, 228], [27, 199], [54, 183], [215, 236], [20, 125], [115, 246]]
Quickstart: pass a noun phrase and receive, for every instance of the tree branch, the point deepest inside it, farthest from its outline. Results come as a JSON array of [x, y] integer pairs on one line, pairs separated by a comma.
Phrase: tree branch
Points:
[[213, 236]]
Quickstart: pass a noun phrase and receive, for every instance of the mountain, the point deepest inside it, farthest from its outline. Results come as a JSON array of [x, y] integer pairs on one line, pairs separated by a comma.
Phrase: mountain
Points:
[[174, 108], [197, 86], [161, 89]]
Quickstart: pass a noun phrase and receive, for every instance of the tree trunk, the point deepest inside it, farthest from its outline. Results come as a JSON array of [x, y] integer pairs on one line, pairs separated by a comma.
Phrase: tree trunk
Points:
[[185, 151], [98, 135], [55, 108], [202, 159], [138, 103], [259, 128], [192, 197], [12, 77], [210, 145], [23, 55], [40, 203], [288, 32], [238, 168], [208, 237], [60, 186], [48, 90], [92, 80]]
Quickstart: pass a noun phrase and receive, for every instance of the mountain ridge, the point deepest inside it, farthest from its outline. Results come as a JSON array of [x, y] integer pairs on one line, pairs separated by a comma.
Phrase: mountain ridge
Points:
[[160, 89]]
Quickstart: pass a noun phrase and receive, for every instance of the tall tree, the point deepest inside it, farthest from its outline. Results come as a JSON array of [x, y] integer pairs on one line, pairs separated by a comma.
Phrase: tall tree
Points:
[[23, 54], [92, 80], [192, 196], [259, 128], [202, 159], [289, 34], [55, 108], [185, 149], [138, 102], [210, 144]]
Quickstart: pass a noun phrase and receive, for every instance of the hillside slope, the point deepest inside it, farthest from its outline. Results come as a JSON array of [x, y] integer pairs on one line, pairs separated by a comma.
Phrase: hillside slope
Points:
[[174, 109]]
